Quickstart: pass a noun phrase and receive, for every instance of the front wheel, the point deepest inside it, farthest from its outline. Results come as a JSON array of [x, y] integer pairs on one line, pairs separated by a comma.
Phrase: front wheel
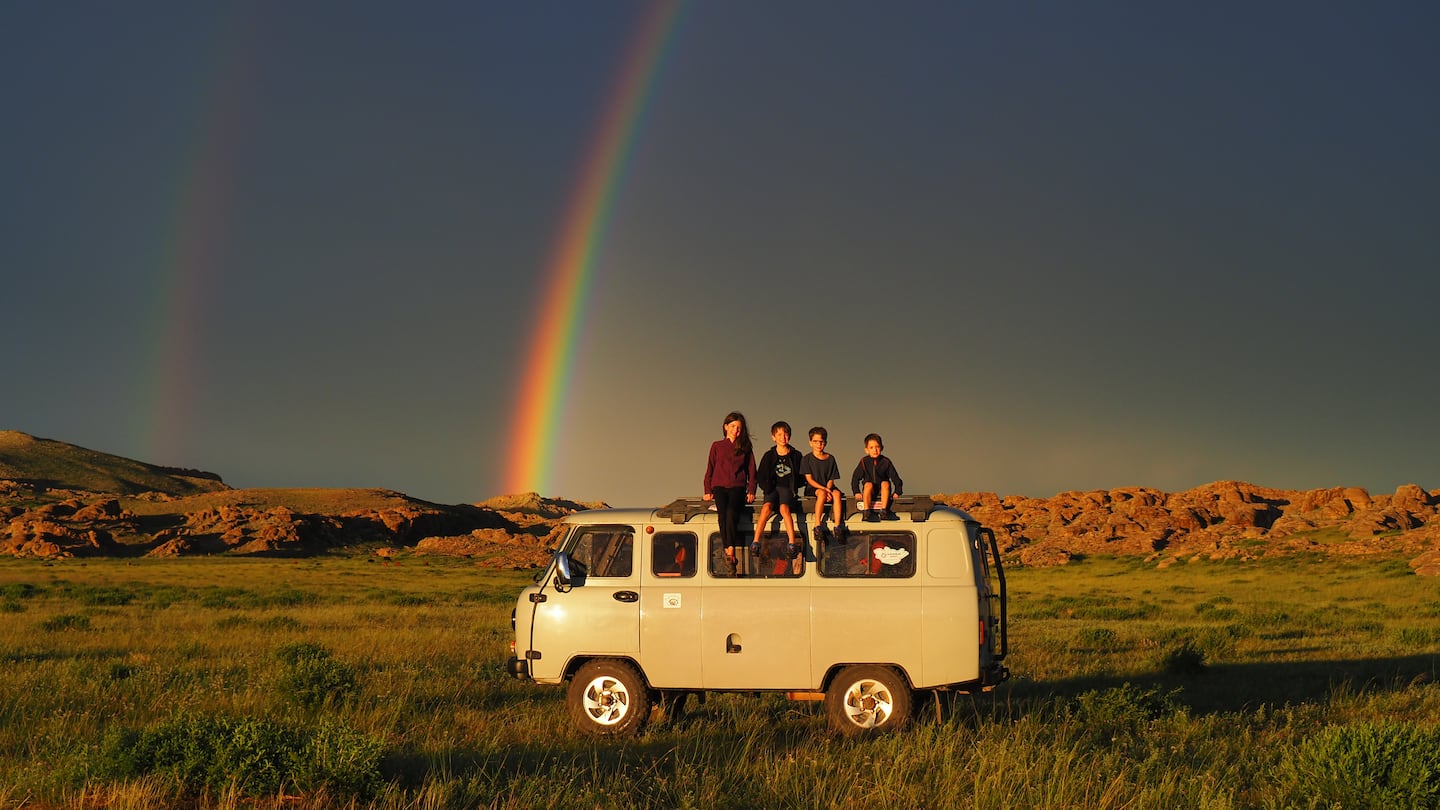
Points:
[[609, 698], [867, 699]]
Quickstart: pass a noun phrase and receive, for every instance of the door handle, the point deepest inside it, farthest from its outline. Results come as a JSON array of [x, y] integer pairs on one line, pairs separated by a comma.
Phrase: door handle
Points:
[[626, 596]]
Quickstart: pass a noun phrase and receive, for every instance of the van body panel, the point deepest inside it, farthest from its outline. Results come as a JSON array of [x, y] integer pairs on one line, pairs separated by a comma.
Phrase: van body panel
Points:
[[755, 637], [866, 621], [586, 620], [948, 553], [950, 627], [670, 633]]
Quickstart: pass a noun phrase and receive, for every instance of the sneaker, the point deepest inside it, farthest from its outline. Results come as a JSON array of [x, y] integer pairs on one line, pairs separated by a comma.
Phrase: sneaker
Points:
[[841, 532], [756, 549], [871, 516], [796, 550], [822, 535], [890, 515]]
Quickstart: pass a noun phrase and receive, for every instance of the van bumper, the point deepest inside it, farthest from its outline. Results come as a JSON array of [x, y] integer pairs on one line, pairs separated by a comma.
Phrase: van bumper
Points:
[[518, 668]]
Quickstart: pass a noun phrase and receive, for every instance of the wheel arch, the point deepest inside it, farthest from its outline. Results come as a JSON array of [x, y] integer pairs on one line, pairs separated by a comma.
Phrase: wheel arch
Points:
[[576, 662], [835, 670]]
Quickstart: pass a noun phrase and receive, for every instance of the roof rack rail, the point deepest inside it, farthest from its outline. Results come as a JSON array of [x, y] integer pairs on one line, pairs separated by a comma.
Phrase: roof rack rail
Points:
[[918, 507], [680, 510]]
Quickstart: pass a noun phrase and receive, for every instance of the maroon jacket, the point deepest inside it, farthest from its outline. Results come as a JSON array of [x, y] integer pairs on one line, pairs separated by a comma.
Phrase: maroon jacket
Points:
[[725, 469]]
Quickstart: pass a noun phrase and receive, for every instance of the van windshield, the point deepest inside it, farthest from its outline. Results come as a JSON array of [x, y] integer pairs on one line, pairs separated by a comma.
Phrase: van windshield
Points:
[[601, 551]]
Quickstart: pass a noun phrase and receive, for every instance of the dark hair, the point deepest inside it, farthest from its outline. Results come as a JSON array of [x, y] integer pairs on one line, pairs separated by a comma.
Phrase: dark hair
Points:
[[778, 425], [876, 438], [821, 431], [742, 440]]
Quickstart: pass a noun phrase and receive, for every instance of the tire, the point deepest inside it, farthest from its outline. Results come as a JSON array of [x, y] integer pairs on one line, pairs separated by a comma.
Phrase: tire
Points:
[[608, 698], [867, 699]]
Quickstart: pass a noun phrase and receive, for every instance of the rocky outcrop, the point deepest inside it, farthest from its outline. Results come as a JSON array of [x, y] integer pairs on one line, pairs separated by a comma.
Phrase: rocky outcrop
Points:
[[1223, 520]]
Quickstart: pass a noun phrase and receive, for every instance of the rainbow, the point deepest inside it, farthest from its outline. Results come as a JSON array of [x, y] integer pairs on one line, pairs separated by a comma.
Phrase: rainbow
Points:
[[549, 363], [192, 252]]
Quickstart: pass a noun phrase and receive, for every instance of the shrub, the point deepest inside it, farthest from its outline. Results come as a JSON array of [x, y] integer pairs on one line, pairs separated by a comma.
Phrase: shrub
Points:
[[1112, 715], [18, 590], [255, 756], [103, 595], [66, 621], [1379, 765], [10, 604], [1184, 658], [312, 677], [1416, 636], [1095, 638], [284, 597]]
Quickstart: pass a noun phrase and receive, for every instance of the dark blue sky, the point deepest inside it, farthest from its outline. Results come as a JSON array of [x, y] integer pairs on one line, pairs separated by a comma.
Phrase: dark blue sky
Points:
[[1040, 247]]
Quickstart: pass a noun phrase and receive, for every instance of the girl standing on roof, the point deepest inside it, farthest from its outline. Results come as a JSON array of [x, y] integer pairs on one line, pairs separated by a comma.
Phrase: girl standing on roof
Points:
[[730, 481]]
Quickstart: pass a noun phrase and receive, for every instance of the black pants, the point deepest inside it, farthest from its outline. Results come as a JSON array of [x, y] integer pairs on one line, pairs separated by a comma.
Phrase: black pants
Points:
[[729, 503]]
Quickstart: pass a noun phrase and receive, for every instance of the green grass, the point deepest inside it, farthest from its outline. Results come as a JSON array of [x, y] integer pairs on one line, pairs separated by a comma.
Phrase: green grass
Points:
[[337, 682]]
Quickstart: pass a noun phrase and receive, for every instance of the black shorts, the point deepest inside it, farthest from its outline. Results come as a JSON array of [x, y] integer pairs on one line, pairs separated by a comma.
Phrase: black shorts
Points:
[[780, 494]]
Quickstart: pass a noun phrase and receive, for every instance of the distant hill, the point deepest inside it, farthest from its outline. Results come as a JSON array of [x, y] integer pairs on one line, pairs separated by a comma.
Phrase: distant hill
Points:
[[58, 500], [49, 464]]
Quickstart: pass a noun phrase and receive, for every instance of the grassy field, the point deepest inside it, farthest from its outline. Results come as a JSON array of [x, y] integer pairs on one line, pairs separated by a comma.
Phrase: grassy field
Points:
[[348, 682]]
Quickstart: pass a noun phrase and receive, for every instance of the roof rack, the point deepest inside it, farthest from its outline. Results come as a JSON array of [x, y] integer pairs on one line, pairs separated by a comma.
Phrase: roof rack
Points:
[[681, 510], [919, 506]]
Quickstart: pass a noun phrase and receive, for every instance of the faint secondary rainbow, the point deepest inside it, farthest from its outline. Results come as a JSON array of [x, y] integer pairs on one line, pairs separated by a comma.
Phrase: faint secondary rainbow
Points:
[[194, 242], [550, 358]]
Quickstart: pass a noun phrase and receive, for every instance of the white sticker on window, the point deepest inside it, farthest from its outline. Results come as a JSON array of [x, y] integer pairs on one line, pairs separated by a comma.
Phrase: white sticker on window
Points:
[[670, 600], [890, 556]]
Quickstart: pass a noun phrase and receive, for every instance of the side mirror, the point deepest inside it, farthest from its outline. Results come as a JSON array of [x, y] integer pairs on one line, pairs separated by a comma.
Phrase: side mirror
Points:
[[563, 575]]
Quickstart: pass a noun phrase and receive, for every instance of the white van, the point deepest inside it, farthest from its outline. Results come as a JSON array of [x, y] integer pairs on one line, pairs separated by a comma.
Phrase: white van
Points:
[[633, 615]]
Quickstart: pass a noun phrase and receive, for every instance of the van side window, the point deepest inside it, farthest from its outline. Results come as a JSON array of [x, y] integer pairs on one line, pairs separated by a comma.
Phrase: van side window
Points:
[[886, 555], [772, 563], [672, 554], [604, 551]]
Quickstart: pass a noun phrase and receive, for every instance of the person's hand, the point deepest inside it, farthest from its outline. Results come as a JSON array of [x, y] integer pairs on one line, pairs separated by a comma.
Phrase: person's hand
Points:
[[750, 498], [709, 497]]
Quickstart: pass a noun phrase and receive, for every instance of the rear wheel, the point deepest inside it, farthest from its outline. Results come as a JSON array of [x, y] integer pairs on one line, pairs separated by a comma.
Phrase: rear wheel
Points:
[[609, 698], [867, 698]]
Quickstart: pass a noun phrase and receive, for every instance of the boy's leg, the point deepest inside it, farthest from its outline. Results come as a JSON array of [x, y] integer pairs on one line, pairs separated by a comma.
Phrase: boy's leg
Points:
[[789, 519], [760, 523], [884, 495], [867, 497], [839, 510], [889, 502]]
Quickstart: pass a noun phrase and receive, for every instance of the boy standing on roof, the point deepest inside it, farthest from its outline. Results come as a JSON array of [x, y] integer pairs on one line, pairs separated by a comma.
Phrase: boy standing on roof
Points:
[[822, 476], [876, 482]]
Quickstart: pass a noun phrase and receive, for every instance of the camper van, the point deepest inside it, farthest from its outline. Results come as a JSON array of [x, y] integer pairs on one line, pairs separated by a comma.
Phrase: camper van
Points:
[[638, 609]]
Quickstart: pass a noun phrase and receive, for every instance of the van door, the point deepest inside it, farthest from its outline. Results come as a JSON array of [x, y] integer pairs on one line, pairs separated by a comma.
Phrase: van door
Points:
[[670, 602], [598, 613], [755, 629]]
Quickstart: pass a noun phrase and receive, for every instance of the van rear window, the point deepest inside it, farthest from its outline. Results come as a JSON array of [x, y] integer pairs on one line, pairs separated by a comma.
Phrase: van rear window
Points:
[[887, 555], [773, 561]]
